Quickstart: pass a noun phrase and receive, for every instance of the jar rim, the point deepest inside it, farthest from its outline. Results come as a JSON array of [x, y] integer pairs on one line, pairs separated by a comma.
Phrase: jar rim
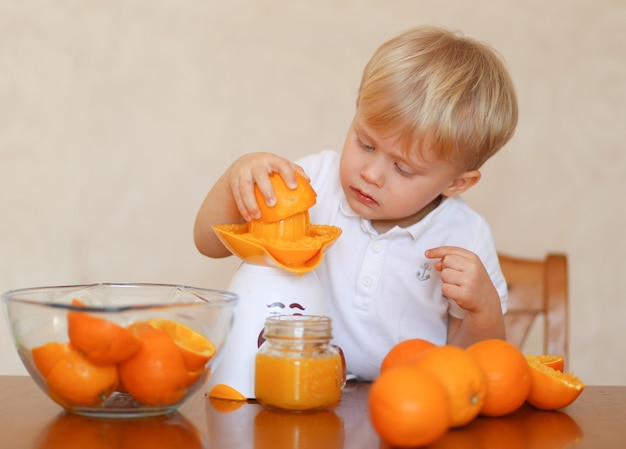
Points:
[[298, 326]]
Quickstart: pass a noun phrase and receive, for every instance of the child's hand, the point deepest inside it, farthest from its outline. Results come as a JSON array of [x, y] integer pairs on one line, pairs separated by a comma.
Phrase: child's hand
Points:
[[254, 168], [464, 278]]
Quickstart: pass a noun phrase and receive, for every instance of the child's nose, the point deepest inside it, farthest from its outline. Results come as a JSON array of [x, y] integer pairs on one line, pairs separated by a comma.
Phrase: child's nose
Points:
[[372, 172]]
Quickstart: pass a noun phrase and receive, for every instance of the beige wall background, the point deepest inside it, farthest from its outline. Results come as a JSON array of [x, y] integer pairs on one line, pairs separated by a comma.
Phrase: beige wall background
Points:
[[117, 116]]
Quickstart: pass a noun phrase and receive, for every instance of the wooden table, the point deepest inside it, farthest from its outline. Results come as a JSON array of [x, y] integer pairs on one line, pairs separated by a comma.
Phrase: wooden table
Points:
[[28, 419]]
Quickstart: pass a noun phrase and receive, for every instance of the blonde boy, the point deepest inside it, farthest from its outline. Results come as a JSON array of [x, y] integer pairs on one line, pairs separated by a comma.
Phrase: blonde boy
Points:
[[413, 260]]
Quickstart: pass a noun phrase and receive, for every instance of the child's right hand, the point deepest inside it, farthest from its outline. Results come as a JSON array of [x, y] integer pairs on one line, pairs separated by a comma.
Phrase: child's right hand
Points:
[[254, 168]]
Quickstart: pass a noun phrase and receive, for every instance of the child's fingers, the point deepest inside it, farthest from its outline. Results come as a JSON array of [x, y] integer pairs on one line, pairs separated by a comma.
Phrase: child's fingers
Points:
[[443, 251]]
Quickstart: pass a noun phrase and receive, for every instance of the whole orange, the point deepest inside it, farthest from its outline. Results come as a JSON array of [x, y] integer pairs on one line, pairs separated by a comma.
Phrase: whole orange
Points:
[[508, 375], [405, 353], [408, 407], [156, 374], [77, 381], [102, 341], [462, 377], [48, 355]]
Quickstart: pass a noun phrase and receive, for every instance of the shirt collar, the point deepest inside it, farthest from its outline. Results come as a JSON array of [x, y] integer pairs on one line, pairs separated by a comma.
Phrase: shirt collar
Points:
[[415, 230]]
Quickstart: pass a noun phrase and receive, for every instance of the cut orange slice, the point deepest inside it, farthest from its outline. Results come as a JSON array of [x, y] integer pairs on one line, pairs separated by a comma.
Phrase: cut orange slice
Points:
[[101, 341], [553, 361], [196, 348], [550, 388]]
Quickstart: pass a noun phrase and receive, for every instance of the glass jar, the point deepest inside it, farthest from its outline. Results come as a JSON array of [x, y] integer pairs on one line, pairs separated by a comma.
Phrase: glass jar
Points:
[[297, 368]]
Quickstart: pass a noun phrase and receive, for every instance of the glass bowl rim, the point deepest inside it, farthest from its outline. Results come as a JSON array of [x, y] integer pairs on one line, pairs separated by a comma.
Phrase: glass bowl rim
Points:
[[226, 297]]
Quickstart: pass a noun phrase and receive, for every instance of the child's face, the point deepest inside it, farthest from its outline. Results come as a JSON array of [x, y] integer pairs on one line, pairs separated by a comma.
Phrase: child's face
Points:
[[388, 186]]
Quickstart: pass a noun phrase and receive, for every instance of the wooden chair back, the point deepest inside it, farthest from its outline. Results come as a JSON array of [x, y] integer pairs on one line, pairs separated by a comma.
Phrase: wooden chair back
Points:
[[537, 287]]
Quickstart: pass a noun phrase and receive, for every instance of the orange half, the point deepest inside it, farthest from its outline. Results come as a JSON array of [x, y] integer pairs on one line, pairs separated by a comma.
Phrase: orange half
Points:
[[289, 202], [197, 349], [550, 388], [553, 361], [102, 341]]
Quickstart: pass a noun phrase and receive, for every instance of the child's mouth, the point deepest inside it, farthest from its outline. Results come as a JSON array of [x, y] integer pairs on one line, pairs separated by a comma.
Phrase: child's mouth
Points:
[[362, 197]]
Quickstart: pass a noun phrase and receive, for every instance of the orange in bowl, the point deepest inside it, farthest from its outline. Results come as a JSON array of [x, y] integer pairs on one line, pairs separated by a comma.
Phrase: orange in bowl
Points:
[[76, 380], [48, 355], [102, 341], [197, 350], [156, 374]]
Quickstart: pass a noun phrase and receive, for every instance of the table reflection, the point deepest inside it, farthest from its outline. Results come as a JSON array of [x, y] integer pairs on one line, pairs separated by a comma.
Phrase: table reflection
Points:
[[70, 431], [250, 425], [525, 428], [283, 430]]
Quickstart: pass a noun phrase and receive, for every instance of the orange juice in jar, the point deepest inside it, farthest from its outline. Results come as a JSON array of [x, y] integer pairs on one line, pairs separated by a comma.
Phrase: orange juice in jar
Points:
[[296, 367]]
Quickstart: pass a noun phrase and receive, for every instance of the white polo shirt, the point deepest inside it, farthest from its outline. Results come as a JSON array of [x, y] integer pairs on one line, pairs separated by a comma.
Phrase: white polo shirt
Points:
[[381, 288]]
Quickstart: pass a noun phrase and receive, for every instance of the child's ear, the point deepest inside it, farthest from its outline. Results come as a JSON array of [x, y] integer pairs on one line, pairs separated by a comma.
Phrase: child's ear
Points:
[[462, 183]]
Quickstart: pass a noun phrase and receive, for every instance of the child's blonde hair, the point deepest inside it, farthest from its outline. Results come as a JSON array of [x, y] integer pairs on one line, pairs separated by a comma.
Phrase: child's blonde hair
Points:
[[430, 80]]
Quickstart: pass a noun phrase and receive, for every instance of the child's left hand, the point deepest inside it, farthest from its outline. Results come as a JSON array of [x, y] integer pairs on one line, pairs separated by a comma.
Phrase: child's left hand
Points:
[[464, 278]]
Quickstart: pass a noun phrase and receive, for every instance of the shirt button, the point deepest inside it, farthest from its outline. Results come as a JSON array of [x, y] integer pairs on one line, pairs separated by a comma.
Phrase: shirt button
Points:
[[367, 281], [376, 248]]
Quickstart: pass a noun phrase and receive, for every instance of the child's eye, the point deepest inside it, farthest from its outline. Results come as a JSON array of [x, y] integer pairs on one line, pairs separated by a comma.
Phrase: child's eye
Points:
[[403, 171], [368, 147]]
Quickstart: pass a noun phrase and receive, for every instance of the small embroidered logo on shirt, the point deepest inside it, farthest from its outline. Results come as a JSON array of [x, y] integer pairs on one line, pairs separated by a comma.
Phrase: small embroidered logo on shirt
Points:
[[423, 273]]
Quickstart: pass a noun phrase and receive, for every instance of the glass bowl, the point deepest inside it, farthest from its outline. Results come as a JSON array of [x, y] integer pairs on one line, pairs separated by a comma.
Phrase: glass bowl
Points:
[[119, 350]]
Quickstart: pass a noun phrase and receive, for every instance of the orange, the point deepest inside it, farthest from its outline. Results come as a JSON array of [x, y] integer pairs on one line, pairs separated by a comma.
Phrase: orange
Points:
[[102, 341], [196, 348], [223, 391], [288, 202], [462, 377], [550, 388], [75, 380], [48, 355], [508, 375], [156, 374], [408, 407], [405, 353], [553, 361]]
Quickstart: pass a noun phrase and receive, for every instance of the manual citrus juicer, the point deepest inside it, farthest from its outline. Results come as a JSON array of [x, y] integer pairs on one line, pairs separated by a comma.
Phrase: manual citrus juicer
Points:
[[279, 253]]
